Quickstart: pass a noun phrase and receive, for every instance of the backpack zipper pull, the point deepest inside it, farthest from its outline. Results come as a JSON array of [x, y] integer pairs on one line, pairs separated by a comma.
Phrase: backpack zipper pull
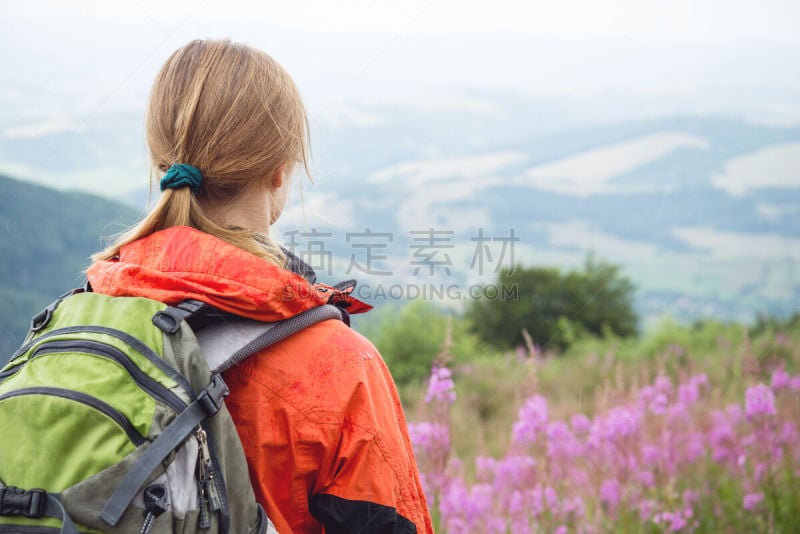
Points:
[[203, 461], [213, 494], [207, 473], [210, 485], [156, 502], [203, 455]]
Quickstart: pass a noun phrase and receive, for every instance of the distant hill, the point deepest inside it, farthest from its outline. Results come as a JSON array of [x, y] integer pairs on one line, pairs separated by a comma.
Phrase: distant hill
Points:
[[46, 238], [702, 212]]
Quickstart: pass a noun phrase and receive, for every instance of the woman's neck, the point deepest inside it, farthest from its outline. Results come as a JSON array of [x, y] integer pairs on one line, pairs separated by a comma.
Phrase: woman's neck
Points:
[[250, 211]]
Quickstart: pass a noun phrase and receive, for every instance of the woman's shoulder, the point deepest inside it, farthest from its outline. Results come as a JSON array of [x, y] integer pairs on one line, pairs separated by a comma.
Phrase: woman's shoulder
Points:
[[320, 371], [332, 348]]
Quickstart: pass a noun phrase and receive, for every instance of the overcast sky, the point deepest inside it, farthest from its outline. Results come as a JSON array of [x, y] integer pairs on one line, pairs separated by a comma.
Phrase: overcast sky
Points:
[[697, 20], [705, 55]]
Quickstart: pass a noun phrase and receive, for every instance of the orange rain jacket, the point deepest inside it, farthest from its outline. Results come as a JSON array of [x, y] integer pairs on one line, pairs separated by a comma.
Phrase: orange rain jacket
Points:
[[318, 413]]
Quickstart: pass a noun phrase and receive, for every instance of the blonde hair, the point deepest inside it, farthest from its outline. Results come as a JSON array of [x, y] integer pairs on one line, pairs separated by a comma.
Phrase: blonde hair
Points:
[[234, 113]]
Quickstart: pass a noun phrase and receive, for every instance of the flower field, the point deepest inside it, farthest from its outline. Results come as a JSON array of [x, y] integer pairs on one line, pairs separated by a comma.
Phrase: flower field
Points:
[[705, 444]]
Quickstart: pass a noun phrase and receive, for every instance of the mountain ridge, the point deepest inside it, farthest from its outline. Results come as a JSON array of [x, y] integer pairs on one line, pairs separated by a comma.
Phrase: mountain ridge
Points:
[[46, 238]]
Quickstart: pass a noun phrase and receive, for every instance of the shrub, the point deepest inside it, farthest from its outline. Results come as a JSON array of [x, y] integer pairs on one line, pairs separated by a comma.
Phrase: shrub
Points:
[[409, 336], [556, 309]]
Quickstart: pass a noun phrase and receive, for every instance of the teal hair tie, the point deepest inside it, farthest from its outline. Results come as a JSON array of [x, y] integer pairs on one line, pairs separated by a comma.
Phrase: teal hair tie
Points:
[[181, 174]]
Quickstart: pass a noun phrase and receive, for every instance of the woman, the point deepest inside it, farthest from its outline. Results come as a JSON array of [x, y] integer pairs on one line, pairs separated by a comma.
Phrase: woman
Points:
[[318, 414]]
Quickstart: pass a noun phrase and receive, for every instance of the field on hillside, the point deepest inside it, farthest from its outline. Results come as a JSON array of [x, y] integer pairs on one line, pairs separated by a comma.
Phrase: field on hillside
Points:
[[689, 429]]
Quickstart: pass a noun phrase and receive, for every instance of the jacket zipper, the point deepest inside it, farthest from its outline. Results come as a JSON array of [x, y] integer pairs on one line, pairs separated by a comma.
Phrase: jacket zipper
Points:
[[142, 379], [76, 396]]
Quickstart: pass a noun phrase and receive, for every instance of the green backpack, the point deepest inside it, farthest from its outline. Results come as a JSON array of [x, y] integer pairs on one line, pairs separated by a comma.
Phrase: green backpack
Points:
[[112, 418]]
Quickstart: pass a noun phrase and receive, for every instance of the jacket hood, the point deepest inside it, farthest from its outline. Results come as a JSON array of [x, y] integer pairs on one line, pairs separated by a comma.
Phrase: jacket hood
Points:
[[183, 263]]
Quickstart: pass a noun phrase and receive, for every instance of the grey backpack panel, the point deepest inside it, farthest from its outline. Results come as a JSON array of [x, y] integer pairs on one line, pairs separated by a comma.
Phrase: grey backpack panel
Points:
[[231, 339]]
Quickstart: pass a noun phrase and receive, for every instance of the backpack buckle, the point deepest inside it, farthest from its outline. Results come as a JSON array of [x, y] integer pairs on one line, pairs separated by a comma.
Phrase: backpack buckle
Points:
[[210, 399], [169, 319], [41, 319], [16, 501]]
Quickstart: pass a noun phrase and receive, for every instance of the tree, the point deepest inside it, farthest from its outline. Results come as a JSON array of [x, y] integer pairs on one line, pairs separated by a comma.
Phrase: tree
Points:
[[556, 309]]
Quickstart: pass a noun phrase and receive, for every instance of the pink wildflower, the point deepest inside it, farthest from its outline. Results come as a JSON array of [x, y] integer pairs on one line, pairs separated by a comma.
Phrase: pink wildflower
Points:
[[519, 514], [688, 393], [678, 414], [663, 384], [651, 454], [759, 400], [429, 439], [532, 420], [440, 386], [535, 503], [561, 443], [780, 380], [752, 500], [622, 421], [580, 423], [514, 472], [658, 406], [646, 395], [610, 494], [675, 521], [695, 447], [551, 497]]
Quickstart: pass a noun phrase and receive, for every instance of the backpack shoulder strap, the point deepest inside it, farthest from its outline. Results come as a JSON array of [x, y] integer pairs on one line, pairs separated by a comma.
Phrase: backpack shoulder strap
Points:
[[225, 341], [231, 339]]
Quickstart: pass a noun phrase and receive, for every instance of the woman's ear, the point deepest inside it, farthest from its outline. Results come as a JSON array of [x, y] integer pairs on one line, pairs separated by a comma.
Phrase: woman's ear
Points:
[[276, 180]]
